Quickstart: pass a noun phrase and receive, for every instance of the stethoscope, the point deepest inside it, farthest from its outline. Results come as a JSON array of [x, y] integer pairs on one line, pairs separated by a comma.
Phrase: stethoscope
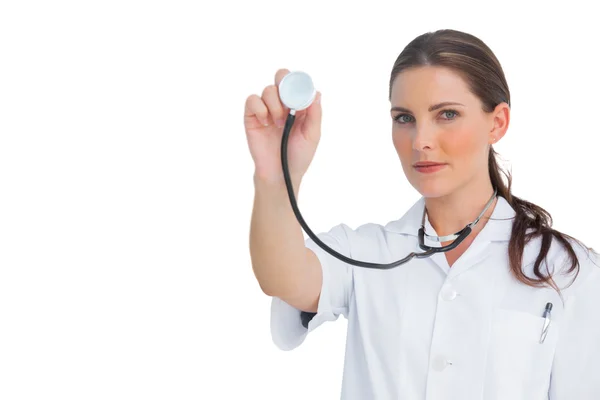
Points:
[[297, 92]]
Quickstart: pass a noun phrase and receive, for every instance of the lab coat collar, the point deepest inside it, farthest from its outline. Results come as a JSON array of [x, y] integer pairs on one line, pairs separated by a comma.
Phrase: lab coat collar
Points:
[[497, 229]]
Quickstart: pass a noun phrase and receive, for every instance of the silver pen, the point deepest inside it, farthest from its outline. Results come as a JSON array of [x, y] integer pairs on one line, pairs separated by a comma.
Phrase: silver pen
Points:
[[546, 316]]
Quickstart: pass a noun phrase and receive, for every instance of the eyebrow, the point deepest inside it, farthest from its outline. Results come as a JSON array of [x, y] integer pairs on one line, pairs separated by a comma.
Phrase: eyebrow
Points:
[[431, 108]]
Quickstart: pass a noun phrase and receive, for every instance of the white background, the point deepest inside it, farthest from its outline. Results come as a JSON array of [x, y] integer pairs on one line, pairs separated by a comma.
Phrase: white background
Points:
[[126, 182]]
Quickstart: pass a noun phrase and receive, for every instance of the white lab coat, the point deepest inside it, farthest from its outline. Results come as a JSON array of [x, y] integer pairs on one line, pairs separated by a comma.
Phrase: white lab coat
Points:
[[424, 330]]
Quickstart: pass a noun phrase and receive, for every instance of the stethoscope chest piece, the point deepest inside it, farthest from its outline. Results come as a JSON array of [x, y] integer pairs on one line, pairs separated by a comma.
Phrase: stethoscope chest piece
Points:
[[297, 91]]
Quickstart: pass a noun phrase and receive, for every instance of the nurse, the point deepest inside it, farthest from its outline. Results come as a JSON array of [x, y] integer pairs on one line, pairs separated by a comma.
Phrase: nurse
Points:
[[468, 324]]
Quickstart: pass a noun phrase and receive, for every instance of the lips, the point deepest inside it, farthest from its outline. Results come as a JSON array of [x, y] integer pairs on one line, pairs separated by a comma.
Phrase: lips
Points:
[[427, 164], [429, 167]]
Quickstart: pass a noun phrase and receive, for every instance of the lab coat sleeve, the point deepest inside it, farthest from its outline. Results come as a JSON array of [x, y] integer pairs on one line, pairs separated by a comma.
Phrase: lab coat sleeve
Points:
[[576, 367], [287, 330]]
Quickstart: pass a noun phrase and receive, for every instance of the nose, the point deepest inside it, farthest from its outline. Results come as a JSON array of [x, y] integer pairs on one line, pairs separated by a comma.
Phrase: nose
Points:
[[424, 138]]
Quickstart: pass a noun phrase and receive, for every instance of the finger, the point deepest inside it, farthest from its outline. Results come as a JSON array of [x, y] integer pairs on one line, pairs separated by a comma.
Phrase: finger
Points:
[[256, 108], [280, 74], [271, 99], [314, 114]]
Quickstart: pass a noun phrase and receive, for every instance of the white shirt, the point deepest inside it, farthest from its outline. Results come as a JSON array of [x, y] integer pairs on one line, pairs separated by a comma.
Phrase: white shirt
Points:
[[424, 330]]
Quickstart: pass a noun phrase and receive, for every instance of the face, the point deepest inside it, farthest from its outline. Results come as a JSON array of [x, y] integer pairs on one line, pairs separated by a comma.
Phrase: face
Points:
[[457, 137]]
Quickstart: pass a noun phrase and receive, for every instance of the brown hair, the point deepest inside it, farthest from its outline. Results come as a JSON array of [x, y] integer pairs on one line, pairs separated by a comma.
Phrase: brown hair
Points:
[[473, 60]]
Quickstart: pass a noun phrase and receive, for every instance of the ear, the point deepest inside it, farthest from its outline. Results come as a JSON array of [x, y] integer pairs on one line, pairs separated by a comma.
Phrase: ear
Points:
[[500, 119]]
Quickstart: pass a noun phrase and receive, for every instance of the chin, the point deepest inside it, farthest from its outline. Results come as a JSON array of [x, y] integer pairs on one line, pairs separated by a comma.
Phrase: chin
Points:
[[432, 188]]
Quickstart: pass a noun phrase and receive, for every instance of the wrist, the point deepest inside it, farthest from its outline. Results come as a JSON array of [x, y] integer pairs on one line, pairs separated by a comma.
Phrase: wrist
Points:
[[275, 183]]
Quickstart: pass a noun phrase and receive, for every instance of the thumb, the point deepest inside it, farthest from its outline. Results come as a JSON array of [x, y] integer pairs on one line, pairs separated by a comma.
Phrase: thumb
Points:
[[312, 120]]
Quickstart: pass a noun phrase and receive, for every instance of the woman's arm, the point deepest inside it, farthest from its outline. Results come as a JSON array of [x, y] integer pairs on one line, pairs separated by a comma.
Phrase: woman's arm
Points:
[[283, 265]]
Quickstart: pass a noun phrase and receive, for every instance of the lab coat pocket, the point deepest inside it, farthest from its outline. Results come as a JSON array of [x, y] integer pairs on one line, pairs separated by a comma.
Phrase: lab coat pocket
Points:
[[519, 366]]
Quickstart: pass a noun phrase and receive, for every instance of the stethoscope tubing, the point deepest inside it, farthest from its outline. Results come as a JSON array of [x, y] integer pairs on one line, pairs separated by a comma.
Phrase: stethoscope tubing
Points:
[[429, 251]]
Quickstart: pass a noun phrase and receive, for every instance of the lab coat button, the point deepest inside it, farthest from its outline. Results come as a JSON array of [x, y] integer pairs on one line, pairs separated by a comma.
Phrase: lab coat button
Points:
[[448, 293], [439, 363]]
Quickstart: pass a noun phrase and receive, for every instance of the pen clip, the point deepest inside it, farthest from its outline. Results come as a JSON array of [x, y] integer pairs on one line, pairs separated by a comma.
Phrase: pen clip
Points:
[[547, 315]]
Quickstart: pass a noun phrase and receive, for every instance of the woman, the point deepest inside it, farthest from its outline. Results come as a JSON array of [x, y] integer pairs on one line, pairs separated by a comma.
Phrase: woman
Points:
[[464, 324]]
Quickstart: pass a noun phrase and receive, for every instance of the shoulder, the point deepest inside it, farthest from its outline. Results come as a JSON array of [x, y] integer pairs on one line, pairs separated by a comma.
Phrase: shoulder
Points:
[[589, 269], [368, 240], [576, 268], [365, 232]]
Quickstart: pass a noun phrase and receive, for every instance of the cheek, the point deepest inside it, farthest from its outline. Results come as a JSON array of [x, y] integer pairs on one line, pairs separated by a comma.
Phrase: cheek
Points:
[[462, 146], [402, 144], [404, 148]]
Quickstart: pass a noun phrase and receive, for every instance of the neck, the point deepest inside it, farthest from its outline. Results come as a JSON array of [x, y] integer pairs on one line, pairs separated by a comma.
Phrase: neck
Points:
[[451, 213]]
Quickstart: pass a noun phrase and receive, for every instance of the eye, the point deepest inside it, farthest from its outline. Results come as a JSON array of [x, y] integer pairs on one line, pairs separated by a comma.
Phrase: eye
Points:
[[399, 118], [450, 111]]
